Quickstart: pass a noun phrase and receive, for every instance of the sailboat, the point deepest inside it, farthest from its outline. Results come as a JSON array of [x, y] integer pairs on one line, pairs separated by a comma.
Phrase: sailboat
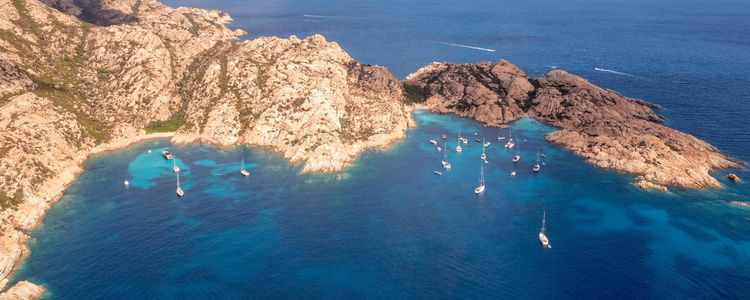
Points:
[[179, 189], [483, 156], [510, 143], [542, 235], [242, 168], [518, 155], [458, 145], [446, 164], [126, 182], [174, 165], [480, 188], [536, 166]]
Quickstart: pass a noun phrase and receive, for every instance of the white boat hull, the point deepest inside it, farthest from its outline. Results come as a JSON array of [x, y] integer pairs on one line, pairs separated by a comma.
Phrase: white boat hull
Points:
[[180, 192], [479, 189], [543, 239], [245, 173]]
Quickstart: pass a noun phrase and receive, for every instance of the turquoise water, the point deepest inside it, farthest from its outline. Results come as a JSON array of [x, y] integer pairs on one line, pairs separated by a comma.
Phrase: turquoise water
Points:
[[389, 228], [386, 227]]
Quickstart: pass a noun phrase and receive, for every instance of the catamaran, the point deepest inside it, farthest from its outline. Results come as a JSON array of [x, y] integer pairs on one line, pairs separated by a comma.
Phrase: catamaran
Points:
[[242, 168], [518, 155], [542, 235], [536, 166], [174, 165], [483, 156], [510, 143], [179, 189], [480, 188], [446, 164]]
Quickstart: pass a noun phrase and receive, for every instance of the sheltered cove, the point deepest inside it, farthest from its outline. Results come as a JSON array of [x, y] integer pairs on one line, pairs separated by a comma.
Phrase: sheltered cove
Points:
[[163, 72]]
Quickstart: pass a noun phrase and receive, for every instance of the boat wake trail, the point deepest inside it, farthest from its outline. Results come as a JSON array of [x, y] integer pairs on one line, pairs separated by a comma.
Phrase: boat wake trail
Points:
[[315, 16], [613, 72], [468, 47]]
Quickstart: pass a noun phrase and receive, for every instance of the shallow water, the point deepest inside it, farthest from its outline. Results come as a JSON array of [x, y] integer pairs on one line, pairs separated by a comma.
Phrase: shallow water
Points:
[[389, 228], [386, 227]]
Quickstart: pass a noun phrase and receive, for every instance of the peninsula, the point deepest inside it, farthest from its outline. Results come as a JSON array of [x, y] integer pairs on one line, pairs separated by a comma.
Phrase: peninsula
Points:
[[81, 77], [608, 129]]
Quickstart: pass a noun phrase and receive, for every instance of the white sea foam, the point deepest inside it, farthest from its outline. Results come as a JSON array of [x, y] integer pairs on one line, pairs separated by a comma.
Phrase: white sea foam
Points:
[[468, 47], [613, 72]]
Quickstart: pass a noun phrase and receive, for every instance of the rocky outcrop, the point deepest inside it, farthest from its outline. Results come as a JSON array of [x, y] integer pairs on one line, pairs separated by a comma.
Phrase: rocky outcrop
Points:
[[733, 177], [644, 184], [23, 290], [494, 94], [606, 128], [69, 88]]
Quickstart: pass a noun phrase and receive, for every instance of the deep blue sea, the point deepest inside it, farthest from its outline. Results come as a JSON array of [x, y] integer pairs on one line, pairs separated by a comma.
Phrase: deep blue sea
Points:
[[388, 227]]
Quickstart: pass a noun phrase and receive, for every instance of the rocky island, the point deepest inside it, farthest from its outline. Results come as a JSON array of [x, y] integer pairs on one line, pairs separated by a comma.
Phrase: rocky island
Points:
[[606, 128], [82, 77]]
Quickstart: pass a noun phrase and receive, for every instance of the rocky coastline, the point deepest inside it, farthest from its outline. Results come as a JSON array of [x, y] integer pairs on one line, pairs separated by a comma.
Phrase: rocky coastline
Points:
[[77, 79], [70, 89], [606, 128]]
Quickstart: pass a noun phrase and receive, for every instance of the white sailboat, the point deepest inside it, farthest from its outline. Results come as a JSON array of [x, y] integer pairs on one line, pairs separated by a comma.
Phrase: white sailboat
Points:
[[242, 168], [510, 143], [483, 156], [486, 144], [518, 155], [542, 234], [446, 164], [127, 183], [536, 166], [174, 165], [458, 145], [480, 188], [179, 189]]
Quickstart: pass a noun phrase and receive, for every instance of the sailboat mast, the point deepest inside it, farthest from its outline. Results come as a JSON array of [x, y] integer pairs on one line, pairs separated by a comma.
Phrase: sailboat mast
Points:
[[178, 179], [445, 150], [537, 156], [544, 220], [481, 175]]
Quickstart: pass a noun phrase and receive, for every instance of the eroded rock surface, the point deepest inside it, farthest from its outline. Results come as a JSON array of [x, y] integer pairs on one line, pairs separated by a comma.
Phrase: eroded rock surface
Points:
[[69, 88], [606, 128]]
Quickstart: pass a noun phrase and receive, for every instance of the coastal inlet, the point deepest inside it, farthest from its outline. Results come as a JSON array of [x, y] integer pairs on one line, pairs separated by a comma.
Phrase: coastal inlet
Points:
[[385, 227]]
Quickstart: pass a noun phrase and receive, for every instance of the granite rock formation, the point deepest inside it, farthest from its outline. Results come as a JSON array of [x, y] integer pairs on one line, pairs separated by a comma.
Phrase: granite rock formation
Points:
[[83, 76], [606, 128]]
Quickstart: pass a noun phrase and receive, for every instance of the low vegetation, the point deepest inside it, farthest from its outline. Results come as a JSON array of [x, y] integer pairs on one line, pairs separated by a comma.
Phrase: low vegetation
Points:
[[170, 125]]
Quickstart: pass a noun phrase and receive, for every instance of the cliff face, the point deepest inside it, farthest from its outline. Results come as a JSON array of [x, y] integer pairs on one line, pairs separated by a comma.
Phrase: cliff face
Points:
[[606, 128], [69, 88]]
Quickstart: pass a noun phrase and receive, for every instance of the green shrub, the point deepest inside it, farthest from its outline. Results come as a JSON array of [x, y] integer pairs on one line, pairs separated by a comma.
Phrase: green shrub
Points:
[[414, 94], [164, 126]]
